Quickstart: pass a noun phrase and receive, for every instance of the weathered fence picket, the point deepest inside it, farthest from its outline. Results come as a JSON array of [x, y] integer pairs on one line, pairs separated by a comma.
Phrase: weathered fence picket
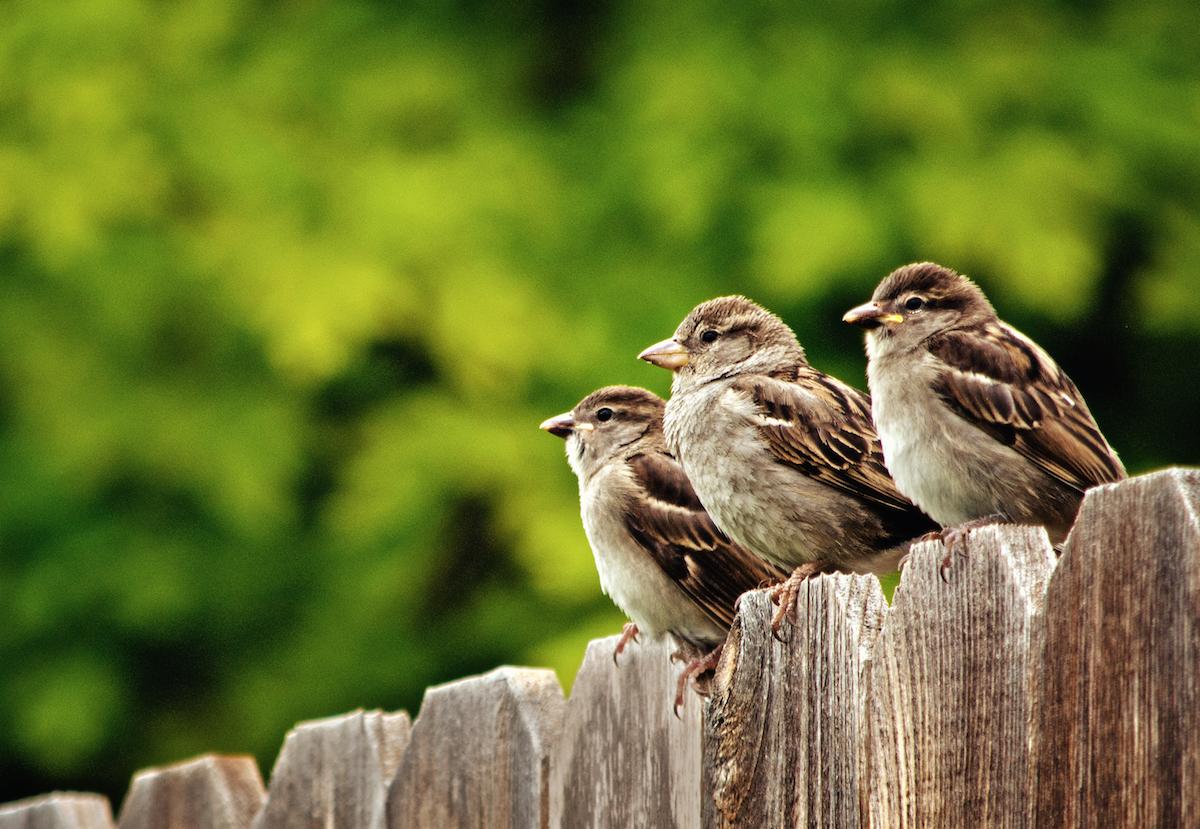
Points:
[[61, 810], [209, 791], [479, 754], [1021, 691], [1119, 724], [949, 690], [623, 758], [335, 772], [784, 728]]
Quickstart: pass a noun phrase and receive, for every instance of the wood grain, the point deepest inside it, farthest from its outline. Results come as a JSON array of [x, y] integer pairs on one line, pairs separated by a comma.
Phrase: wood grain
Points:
[[950, 685], [624, 759], [60, 810], [209, 792], [479, 755], [1119, 736], [335, 772], [783, 735]]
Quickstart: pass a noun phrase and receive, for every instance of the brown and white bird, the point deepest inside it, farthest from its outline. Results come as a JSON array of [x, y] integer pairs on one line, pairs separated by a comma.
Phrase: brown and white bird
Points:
[[784, 457], [660, 557], [978, 423]]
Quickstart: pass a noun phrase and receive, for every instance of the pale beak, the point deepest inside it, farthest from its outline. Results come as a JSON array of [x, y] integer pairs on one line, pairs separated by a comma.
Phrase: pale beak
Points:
[[872, 316], [668, 354], [563, 425]]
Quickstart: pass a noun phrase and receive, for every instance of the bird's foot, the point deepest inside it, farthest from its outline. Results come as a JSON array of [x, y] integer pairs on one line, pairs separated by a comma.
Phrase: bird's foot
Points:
[[934, 535], [695, 668], [762, 585], [784, 594], [953, 537], [628, 633]]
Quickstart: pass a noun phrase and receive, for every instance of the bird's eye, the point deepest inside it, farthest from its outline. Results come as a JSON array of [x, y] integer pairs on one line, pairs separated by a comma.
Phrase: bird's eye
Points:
[[604, 414], [708, 336], [914, 303]]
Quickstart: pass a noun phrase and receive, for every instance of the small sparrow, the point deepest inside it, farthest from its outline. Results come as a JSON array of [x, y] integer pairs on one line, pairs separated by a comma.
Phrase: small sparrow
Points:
[[784, 457], [659, 555], [978, 423]]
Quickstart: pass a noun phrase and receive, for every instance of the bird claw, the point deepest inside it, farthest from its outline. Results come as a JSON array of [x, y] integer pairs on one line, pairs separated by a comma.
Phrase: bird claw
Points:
[[944, 568], [773, 583], [628, 633], [784, 594], [695, 668], [933, 535], [777, 625], [953, 538]]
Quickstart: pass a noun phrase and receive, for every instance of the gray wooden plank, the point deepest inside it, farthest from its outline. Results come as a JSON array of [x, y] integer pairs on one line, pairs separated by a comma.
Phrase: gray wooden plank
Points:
[[1118, 742], [209, 792], [59, 810], [950, 684], [335, 772], [783, 732], [480, 753], [624, 759]]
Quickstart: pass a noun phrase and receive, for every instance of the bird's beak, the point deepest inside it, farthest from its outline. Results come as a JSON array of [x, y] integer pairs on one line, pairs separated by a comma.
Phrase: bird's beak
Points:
[[559, 425], [563, 425], [872, 316], [668, 354]]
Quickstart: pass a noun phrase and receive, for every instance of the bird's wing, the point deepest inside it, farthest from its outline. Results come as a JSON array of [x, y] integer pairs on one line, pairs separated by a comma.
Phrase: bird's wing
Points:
[[669, 522], [999, 380], [823, 428]]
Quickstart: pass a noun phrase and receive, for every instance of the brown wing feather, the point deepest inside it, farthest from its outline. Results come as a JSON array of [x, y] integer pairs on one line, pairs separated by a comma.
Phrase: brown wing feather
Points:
[[1002, 382], [823, 428], [670, 523]]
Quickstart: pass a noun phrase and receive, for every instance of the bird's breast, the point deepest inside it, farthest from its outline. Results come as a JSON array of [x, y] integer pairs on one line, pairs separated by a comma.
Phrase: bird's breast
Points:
[[770, 508], [947, 466], [631, 576]]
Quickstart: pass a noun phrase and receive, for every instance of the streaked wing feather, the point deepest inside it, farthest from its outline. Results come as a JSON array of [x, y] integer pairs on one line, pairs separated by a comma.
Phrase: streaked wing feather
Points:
[[823, 428], [670, 523], [1002, 382]]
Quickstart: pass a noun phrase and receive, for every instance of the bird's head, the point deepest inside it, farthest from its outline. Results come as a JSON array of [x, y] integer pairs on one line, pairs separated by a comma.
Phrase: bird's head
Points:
[[607, 423], [725, 337], [917, 301]]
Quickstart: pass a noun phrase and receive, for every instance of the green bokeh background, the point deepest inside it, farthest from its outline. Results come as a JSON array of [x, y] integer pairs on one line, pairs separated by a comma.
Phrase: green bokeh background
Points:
[[285, 289]]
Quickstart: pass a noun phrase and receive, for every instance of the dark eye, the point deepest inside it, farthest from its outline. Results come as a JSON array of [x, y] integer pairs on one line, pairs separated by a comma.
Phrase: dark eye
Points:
[[708, 336], [914, 303], [604, 414]]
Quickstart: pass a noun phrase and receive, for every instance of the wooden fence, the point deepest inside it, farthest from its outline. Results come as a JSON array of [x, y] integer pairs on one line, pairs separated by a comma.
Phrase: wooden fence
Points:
[[1024, 692]]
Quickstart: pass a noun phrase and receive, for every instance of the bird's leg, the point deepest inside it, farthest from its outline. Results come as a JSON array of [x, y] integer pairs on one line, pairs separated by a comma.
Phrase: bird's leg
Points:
[[785, 593], [695, 668], [952, 537], [629, 632]]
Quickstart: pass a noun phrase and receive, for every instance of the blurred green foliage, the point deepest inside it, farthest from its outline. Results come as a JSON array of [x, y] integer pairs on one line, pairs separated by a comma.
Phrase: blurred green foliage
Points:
[[285, 289]]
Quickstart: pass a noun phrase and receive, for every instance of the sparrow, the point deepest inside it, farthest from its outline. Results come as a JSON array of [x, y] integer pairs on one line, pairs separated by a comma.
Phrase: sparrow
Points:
[[978, 423], [784, 457], [660, 557]]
